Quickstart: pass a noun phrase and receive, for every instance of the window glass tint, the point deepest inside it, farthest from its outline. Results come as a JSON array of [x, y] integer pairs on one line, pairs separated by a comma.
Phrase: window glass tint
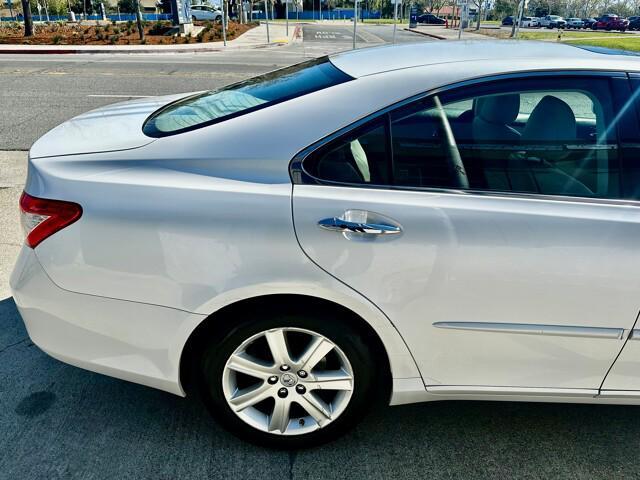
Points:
[[552, 142], [360, 157], [546, 137], [244, 97]]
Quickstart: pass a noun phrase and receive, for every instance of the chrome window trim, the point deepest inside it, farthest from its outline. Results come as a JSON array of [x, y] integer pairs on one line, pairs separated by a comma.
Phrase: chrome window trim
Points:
[[299, 176], [535, 329]]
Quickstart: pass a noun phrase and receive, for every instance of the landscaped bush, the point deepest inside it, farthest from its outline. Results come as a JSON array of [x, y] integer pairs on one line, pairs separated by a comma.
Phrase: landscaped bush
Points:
[[63, 33]]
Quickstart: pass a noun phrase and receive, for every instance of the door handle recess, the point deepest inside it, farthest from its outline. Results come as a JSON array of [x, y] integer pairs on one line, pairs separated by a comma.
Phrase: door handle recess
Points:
[[338, 225]]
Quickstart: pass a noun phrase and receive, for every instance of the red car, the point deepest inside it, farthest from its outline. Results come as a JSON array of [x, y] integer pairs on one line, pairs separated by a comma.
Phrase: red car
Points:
[[611, 22]]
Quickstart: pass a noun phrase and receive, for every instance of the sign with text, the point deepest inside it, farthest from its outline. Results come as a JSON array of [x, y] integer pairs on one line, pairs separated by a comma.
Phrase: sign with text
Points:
[[413, 17], [181, 11]]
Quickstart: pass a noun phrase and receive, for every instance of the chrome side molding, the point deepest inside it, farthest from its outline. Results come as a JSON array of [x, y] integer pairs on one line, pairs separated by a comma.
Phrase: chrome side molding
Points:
[[534, 329], [511, 391]]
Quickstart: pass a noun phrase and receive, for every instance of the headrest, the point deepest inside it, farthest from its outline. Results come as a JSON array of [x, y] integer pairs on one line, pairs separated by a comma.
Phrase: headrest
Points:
[[501, 109], [551, 120]]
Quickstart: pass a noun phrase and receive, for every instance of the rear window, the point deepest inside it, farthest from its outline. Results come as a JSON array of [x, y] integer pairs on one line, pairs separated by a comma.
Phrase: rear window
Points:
[[244, 97]]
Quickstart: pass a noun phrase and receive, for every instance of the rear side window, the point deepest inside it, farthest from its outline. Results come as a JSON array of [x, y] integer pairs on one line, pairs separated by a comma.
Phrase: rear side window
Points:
[[550, 136], [244, 97]]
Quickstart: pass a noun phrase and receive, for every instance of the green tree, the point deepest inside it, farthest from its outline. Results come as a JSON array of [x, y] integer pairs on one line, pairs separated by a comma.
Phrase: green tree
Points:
[[128, 6], [503, 8]]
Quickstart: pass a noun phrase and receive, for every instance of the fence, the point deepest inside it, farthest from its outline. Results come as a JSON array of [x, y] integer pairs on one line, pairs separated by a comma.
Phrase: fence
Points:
[[152, 17], [337, 14]]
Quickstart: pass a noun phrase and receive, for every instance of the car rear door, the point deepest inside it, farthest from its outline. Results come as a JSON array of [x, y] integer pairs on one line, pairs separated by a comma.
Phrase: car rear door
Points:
[[503, 263]]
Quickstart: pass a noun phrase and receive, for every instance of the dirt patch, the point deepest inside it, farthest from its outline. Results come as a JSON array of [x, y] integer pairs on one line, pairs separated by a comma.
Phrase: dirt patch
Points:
[[120, 33]]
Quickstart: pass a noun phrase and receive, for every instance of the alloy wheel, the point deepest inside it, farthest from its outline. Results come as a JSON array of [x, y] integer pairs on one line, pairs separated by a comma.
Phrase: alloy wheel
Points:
[[288, 381]]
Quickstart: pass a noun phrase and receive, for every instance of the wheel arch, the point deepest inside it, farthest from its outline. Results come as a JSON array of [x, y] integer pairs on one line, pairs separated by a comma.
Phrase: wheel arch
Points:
[[218, 322]]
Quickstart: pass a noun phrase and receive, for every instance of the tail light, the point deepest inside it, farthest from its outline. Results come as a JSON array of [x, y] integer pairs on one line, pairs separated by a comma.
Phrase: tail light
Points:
[[41, 218]]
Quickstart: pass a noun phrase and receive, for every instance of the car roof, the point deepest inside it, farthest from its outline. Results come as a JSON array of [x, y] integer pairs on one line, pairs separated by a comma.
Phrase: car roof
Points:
[[371, 61]]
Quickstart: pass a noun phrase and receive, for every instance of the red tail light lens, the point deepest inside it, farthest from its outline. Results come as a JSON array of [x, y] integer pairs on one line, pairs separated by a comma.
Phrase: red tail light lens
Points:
[[41, 218]]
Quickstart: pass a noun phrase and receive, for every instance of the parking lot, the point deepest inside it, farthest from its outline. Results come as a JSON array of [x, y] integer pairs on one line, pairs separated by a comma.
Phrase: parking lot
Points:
[[58, 421]]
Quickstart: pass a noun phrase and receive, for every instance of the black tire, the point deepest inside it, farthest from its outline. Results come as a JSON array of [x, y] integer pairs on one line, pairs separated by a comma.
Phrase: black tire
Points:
[[193, 18], [366, 374]]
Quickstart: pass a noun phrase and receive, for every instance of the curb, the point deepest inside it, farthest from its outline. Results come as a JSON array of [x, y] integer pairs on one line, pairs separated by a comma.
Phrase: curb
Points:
[[432, 35], [75, 51]]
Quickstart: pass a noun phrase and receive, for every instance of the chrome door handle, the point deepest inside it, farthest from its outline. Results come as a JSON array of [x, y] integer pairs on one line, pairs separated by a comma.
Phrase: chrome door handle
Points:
[[338, 225]]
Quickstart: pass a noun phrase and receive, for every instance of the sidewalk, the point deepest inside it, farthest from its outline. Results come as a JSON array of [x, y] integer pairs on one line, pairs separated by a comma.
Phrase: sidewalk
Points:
[[442, 33], [254, 38]]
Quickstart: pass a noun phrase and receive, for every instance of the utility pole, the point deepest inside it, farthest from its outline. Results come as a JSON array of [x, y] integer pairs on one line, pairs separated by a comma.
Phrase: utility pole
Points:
[[286, 14], [28, 20]]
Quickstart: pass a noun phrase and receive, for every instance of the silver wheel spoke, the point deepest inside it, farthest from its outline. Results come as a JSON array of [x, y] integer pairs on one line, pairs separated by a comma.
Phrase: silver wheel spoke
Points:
[[250, 396], [315, 351], [316, 408], [243, 363], [278, 346], [279, 419], [331, 380], [284, 387]]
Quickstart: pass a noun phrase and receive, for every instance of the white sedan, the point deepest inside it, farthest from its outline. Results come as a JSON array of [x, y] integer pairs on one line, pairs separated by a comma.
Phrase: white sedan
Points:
[[530, 22], [398, 224], [205, 12]]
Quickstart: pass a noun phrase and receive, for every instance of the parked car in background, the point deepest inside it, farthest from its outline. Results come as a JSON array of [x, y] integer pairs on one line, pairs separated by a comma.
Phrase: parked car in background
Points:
[[634, 24], [611, 22], [574, 23], [205, 12], [553, 21], [430, 19], [588, 22], [507, 20], [530, 22]]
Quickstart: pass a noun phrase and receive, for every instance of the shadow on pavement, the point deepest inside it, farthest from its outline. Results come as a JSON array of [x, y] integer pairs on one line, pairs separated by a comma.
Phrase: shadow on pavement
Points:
[[58, 421]]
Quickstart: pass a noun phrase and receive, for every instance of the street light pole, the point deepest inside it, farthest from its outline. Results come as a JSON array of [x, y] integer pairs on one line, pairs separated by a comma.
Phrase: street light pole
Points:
[[266, 16], [286, 14], [355, 21], [395, 19], [225, 9]]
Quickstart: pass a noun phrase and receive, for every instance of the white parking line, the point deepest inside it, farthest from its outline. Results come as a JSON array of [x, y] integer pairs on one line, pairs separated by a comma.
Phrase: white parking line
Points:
[[120, 96]]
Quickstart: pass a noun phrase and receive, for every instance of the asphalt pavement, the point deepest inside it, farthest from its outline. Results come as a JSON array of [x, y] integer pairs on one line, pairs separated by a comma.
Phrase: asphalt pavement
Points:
[[40, 91], [58, 421]]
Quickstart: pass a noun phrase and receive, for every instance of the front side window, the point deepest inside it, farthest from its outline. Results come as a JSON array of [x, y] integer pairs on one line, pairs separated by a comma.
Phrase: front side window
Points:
[[538, 136], [244, 97]]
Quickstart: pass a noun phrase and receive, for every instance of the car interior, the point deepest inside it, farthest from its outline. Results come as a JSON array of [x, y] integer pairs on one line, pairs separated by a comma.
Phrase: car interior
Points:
[[545, 142]]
